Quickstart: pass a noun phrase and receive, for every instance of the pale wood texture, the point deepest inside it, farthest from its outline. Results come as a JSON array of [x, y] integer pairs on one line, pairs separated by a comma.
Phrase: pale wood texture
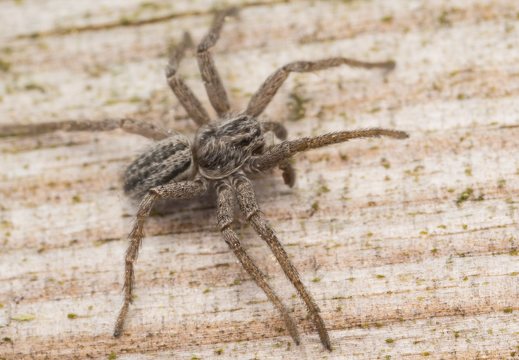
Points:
[[410, 247]]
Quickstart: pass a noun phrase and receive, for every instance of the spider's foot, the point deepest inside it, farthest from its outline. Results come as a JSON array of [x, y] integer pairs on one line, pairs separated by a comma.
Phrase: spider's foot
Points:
[[231, 11], [390, 65], [397, 134], [170, 71], [187, 40]]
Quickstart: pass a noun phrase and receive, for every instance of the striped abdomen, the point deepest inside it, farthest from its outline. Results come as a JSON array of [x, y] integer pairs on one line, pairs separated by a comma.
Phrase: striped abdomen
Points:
[[168, 160]]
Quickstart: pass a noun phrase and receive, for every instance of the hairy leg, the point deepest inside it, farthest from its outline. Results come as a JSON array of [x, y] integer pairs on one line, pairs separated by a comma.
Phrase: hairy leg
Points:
[[129, 125], [279, 130], [176, 190], [281, 152], [212, 82], [187, 98], [225, 208], [269, 88], [249, 206]]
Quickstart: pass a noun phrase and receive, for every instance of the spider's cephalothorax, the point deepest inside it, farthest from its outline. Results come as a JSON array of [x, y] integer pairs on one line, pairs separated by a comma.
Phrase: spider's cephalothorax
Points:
[[224, 153], [221, 148]]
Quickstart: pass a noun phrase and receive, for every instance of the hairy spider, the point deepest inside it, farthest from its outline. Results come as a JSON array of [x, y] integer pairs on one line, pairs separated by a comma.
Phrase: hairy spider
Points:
[[222, 154]]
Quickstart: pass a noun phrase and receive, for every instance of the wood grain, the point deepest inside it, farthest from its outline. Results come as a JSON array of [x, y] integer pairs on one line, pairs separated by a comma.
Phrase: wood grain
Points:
[[410, 247]]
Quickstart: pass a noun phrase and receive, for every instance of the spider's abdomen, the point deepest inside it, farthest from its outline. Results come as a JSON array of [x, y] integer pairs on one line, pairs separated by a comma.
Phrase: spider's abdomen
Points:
[[168, 160], [223, 147]]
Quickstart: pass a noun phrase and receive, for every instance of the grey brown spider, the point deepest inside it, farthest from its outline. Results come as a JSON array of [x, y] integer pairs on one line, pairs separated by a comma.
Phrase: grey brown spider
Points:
[[223, 153]]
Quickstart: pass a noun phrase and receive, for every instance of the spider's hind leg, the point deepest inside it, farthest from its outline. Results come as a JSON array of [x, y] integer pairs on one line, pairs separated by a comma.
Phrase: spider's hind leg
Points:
[[132, 126], [184, 94], [264, 95], [212, 81]]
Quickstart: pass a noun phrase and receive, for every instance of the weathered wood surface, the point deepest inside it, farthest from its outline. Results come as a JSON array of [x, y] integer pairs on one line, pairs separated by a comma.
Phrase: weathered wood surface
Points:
[[410, 248]]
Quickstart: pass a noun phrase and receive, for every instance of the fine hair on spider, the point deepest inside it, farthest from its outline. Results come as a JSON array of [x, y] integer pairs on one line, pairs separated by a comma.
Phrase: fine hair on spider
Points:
[[224, 152]]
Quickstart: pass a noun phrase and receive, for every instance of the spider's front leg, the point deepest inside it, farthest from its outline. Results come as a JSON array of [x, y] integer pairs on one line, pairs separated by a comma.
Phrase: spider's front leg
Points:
[[279, 153], [175, 190], [251, 210], [225, 217]]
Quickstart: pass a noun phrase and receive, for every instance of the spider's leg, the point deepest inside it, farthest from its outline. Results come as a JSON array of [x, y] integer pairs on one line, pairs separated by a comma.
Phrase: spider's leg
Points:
[[281, 152], [249, 206], [175, 190], [212, 82], [187, 98], [133, 126], [225, 216], [279, 130], [270, 86]]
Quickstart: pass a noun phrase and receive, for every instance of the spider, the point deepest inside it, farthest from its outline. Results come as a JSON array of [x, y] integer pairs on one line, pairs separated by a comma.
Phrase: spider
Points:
[[224, 152]]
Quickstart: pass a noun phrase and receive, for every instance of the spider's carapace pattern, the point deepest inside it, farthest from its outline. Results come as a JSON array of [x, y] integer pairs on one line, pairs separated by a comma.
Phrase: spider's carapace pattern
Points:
[[224, 152]]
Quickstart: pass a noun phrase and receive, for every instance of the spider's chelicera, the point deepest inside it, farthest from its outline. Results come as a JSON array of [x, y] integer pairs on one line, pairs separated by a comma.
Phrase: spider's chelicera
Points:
[[222, 154]]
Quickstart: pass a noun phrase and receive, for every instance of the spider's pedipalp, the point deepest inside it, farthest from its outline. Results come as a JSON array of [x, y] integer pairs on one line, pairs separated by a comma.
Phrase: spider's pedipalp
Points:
[[287, 170], [277, 128]]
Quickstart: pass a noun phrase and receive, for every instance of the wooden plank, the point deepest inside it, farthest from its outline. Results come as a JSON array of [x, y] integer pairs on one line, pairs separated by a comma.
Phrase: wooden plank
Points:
[[410, 248]]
